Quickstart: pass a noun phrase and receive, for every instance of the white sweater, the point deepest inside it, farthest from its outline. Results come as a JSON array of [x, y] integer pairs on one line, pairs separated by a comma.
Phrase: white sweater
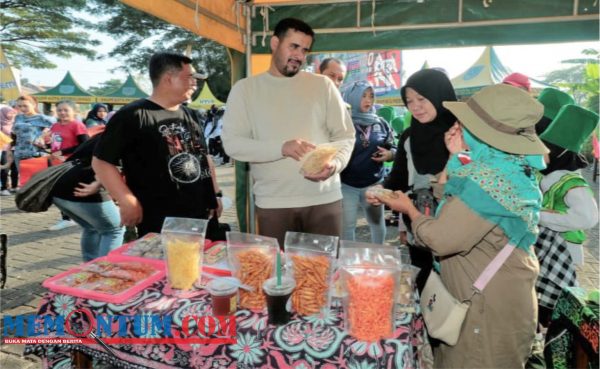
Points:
[[265, 111]]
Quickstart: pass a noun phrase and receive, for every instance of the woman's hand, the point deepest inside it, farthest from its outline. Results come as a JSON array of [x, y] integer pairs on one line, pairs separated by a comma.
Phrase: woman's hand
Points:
[[382, 155], [454, 140], [399, 202], [371, 197], [85, 189]]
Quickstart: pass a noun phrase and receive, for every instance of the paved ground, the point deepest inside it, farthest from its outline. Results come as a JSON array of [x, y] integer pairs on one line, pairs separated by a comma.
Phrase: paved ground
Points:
[[34, 254]]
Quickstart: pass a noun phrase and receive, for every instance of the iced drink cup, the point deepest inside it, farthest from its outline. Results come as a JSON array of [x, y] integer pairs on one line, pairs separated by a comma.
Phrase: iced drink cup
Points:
[[224, 297], [277, 299]]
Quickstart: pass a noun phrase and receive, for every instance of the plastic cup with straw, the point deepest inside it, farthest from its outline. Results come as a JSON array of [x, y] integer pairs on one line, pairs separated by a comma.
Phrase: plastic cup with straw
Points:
[[278, 269], [278, 291]]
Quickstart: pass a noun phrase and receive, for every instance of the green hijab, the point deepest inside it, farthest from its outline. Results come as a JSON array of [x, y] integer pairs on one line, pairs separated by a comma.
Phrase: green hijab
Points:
[[500, 187]]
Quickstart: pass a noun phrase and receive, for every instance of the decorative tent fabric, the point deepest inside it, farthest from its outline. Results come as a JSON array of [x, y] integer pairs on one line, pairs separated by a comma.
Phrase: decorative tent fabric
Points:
[[67, 89], [486, 71], [206, 99], [128, 92]]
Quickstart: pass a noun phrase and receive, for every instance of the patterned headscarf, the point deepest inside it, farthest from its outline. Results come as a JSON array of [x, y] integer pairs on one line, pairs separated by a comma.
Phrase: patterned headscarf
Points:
[[499, 187], [6, 122]]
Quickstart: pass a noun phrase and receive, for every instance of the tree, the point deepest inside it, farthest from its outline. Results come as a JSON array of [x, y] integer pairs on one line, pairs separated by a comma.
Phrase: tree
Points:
[[33, 29], [581, 79], [105, 87], [140, 35]]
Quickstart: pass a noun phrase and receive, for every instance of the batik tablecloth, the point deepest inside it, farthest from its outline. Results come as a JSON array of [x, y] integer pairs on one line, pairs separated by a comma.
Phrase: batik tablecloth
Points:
[[574, 321], [304, 343]]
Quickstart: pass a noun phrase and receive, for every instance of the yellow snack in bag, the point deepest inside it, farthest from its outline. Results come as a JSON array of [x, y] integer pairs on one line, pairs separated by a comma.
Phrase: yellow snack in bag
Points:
[[183, 260]]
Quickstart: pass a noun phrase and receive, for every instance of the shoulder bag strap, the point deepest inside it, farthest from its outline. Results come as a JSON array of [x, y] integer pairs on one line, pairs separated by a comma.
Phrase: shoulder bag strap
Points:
[[493, 267]]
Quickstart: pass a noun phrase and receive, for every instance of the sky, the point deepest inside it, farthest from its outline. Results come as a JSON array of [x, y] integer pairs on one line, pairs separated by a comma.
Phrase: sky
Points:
[[532, 60]]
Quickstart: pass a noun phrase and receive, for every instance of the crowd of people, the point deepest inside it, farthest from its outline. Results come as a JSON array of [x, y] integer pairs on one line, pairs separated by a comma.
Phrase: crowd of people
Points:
[[469, 178]]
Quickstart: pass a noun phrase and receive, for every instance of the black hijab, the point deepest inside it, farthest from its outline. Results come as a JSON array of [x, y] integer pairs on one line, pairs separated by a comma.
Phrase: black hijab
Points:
[[93, 114], [429, 153], [563, 159]]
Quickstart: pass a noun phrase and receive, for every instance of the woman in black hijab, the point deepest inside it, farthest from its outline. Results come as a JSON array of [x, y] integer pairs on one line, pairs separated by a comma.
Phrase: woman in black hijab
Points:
[[422, 153], [97, 116]]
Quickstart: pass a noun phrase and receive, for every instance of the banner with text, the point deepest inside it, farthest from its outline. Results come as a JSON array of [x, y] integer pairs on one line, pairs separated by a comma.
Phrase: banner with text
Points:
[[382, 68]]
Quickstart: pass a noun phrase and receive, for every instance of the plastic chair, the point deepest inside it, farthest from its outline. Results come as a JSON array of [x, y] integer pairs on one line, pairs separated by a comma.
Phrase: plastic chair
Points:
[[387, 112]]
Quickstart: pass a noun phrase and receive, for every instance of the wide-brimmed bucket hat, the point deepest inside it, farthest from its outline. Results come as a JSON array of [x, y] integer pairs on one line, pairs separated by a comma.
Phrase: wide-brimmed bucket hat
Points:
[[570, 129], [503, 117], [553, 99]]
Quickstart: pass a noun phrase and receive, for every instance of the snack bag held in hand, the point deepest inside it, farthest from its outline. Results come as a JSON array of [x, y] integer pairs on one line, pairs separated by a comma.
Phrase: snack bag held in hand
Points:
[[381, 192], [311, 258], [314, 162]]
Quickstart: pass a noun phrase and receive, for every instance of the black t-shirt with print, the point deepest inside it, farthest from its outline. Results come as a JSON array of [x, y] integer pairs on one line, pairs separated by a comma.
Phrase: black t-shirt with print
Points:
[[163, 155]]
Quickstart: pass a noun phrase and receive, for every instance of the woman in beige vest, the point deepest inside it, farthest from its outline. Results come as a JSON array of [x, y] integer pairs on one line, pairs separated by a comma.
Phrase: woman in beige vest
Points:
[[490, 198]]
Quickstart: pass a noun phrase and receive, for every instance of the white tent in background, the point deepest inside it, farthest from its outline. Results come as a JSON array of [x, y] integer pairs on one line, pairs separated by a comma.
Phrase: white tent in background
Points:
[[486, 71]]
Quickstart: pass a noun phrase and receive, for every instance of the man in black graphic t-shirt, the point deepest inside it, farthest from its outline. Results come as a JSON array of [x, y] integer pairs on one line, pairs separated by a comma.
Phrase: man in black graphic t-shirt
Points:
[[162, 150]]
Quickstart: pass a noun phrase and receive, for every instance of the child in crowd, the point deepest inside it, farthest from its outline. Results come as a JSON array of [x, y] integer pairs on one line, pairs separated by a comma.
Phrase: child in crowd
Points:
[[569, 206]]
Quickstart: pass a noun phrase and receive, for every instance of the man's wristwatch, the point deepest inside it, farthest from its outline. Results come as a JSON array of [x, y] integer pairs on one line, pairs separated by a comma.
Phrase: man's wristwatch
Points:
[[219, 193]]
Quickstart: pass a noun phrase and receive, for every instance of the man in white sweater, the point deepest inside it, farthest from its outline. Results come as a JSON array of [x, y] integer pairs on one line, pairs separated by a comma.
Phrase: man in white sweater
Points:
[[273, 120]]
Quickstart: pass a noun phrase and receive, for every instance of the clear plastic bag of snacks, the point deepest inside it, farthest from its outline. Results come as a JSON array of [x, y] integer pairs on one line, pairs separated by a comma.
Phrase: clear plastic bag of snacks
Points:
[[183, 244], [381, 192], [252, 261], [355, 253], [370, 301], [310, 259], [148, 246], [314, 162], [406, 283]]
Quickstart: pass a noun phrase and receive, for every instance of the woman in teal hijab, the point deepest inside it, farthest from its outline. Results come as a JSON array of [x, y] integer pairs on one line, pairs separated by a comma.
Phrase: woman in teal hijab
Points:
[[491, 198]]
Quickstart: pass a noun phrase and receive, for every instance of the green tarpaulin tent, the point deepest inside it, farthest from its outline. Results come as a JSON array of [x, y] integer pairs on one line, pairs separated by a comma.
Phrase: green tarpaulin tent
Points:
[[67, 89], [125, 94]]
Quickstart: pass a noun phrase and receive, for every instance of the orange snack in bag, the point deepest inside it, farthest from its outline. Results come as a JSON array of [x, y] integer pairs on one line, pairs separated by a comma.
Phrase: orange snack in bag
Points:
[[255, 268], [311, 274], [371, 299]]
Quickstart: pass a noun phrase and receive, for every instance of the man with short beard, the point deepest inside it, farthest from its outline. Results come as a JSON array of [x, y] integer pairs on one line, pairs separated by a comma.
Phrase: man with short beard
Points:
[[273, 120]]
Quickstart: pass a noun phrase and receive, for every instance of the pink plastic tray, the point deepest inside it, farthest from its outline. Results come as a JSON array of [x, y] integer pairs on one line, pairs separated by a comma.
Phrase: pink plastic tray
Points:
[[122, 252], [53, 283]]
